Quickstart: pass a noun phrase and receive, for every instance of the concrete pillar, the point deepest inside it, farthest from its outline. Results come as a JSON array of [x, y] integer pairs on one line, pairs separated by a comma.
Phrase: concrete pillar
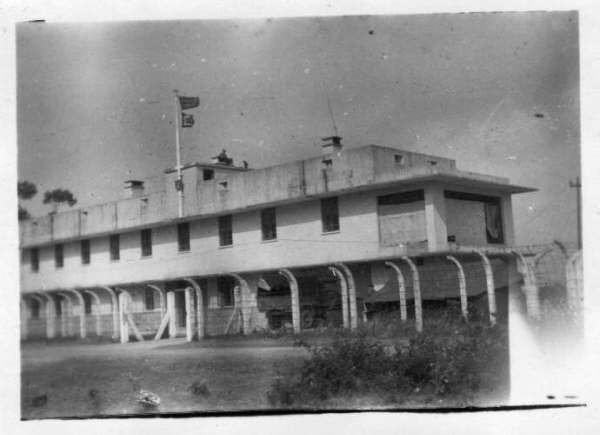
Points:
[[50, 311], [417, 293], [344, 294], [491, 291], [172, 314], [67, 313], [507, 220], [190, 317], [40, 305], [529, 287], [401, 289], [294, 293], [24, 318], [351, 295], [64, 317], [161, 296], [82, 323], [123, 325], [115, 312], [574, 278], [435, 218], [244, 302], [199, 307], [97, 311], [462, 287]]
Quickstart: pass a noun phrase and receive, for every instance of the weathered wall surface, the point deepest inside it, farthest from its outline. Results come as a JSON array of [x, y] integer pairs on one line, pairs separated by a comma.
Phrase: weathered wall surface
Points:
[[402, 223], [466, 222], [300, 243], [235, 191]]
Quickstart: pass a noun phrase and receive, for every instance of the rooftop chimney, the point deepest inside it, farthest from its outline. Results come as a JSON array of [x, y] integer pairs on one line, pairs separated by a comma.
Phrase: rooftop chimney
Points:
[[331, 145], [133, 189]]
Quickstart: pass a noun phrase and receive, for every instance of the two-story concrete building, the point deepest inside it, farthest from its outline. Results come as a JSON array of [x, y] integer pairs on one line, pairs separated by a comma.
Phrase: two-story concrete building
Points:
[[321, 237]]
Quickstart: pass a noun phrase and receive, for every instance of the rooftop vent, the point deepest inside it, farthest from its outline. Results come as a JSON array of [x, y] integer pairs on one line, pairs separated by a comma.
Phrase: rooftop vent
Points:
[[331, 145], [133, 189]]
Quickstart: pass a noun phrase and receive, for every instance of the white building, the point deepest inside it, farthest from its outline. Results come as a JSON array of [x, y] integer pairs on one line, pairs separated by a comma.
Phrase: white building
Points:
[[342, 223]]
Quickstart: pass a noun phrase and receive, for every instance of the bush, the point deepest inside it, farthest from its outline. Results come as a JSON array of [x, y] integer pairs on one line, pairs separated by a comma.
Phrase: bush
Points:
[[451, 360]]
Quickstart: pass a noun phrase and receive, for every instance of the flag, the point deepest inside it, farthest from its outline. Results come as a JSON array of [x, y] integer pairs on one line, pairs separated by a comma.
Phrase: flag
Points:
[[187, 120], [189, 102]]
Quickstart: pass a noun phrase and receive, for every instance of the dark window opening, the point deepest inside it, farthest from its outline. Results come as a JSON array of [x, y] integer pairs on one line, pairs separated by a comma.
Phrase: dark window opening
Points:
[[225, 231], [401, 198], [183, 237], [59, 256], [87, 303], [399, 159], [85, 252], [327, 163], [225, 290], [146, 242], [35, 259], [149, 299], [115, 249], [35, 309], [208, 174], [432, 162], [269, 224], [330, 216]]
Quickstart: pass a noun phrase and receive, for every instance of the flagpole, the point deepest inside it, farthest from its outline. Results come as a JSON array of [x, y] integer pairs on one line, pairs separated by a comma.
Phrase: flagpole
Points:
[[179, 185]]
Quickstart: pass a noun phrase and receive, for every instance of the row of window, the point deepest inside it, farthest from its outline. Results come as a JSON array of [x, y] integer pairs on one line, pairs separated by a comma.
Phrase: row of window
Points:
[[329, 217]]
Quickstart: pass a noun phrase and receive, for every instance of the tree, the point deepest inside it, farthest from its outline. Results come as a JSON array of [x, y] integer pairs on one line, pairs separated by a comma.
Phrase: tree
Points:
[[25, 190], [59, 196]]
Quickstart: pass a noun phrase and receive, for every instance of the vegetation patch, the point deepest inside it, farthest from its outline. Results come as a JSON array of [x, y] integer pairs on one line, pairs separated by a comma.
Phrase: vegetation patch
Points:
[[452, 363]]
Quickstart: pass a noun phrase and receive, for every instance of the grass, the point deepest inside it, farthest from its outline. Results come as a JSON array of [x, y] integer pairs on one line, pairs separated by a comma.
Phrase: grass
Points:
[[106, 382]]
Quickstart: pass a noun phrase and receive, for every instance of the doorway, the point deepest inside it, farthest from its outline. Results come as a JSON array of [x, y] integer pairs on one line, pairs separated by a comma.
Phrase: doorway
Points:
[[180, 311]]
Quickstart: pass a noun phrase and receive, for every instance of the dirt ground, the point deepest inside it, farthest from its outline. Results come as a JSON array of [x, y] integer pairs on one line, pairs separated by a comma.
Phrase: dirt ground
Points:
[[104, 378]]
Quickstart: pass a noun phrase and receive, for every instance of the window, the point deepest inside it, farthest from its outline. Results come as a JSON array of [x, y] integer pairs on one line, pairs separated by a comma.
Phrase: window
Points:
[[146, 242], [85, 252], [59, 256], [183, 237], [35, 259], [492, 210], [87, 303], [208, 174], [401, 198], [225, 289], [399, 159], [149, 299], [269, 224], [330, 216], [115, 249], [225, 231]]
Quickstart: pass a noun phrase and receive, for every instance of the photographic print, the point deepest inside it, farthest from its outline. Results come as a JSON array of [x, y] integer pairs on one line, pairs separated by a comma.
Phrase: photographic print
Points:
[[326, 213]]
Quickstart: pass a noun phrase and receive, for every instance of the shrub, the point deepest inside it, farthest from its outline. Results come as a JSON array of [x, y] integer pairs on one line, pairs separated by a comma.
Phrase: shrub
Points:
[[451, 359]]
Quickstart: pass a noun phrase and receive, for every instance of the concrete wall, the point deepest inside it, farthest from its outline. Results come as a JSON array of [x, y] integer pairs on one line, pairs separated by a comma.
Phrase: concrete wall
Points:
[[402, 223], [358, 168], [466, 221], [300, 243]]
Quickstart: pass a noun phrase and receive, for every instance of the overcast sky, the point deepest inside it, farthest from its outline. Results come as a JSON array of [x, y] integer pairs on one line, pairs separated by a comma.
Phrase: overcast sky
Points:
[[497, 92]]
